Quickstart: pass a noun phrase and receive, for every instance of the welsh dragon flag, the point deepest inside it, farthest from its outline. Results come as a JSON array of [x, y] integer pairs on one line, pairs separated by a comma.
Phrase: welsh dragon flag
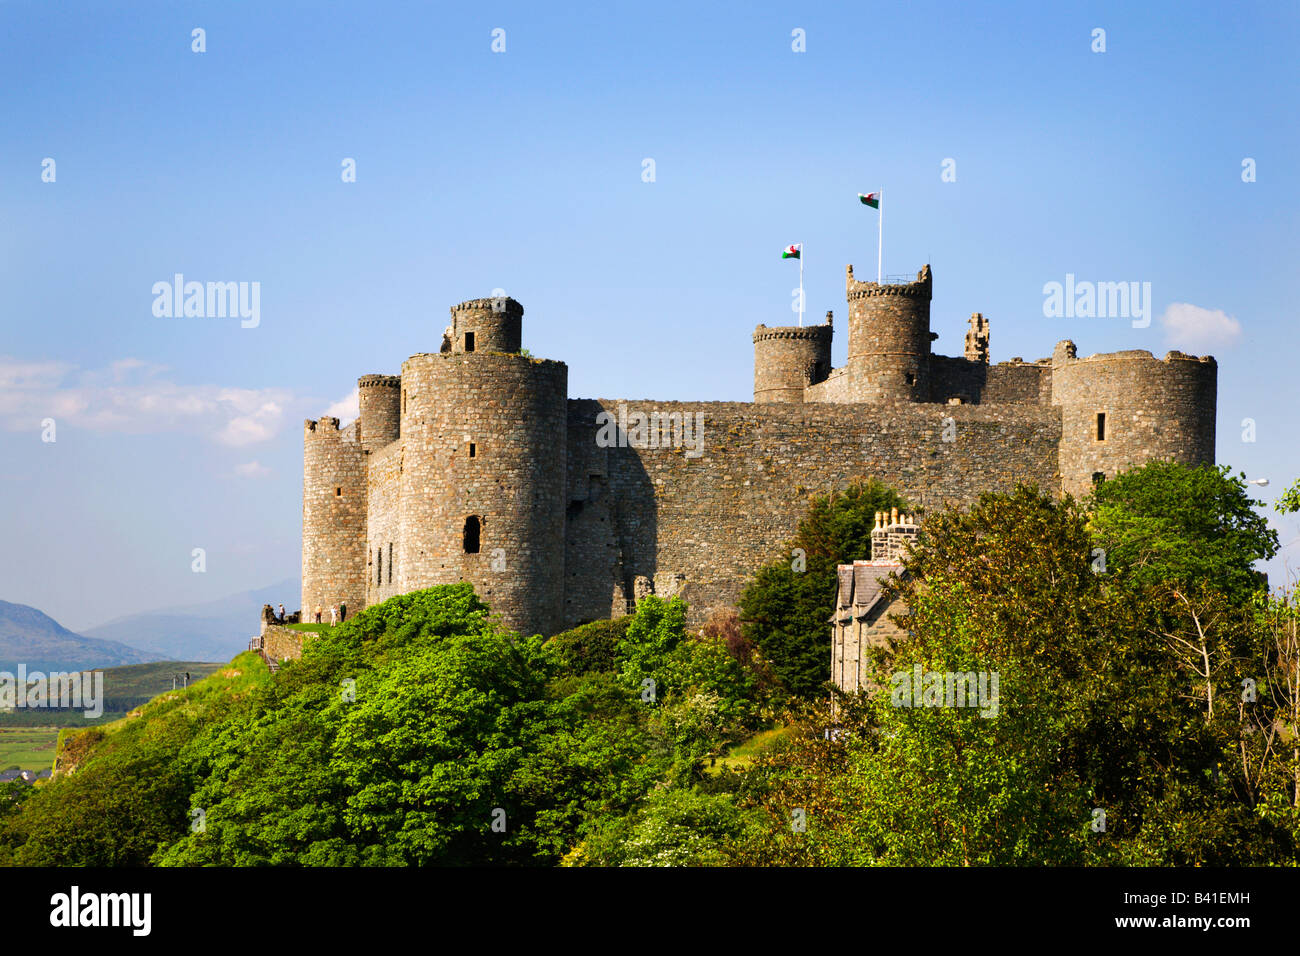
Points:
[[792, 252], [869, 199]]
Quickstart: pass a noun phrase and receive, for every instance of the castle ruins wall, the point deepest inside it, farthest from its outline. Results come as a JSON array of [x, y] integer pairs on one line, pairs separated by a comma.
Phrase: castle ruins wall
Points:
[[704, 524]]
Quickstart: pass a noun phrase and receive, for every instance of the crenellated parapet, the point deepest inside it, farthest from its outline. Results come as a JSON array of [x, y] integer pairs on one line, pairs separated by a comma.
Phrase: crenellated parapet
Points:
[[920, 289]]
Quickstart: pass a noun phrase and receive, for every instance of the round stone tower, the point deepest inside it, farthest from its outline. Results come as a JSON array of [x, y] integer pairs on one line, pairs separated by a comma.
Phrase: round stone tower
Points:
[[380, 397], [787, 359], [484, 438], [889, 339], [1124, 409], [487, 325], [333, 518]]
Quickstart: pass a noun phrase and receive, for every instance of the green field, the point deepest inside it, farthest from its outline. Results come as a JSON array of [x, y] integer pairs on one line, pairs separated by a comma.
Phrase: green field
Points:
[[125, 688], [27, 748]]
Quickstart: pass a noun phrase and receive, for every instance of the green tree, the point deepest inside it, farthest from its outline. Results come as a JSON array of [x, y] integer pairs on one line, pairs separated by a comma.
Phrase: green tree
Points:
[[1180, 525], [786, 606]]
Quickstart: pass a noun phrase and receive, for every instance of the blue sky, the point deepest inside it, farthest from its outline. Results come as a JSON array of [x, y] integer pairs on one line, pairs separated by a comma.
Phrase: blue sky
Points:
[[522, 171]]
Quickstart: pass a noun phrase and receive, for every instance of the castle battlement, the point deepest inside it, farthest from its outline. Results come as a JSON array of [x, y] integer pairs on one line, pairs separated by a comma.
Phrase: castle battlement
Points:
[[860, 290], [474, 464]]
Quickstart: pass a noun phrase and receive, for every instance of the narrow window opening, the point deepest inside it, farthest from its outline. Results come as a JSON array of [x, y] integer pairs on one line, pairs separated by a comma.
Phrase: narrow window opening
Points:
[[911, 379], [379, 570], [472, 528], [1098, 477], [338, 492], [390, 562], [473, 450], [469, 341], [1101, 426]]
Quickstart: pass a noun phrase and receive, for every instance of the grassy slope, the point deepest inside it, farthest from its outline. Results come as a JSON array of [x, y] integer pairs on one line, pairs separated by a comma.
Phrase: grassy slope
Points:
[[77, 747]]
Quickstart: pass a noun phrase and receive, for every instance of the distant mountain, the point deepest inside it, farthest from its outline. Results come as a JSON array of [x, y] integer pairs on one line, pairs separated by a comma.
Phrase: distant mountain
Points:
[[31, 637], [212, 631]]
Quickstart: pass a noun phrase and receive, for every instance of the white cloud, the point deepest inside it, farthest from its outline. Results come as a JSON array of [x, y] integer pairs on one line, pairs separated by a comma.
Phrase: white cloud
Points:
[[252, 469], [1194, 329], [346, 409], [129, 395]]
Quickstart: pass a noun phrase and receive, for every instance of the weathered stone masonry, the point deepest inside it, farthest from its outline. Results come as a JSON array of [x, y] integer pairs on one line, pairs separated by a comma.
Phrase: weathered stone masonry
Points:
[[474, 464]]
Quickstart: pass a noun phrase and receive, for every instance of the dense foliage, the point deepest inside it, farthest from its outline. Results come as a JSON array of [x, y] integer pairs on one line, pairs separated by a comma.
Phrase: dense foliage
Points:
[[1142, 711], [784, 609]]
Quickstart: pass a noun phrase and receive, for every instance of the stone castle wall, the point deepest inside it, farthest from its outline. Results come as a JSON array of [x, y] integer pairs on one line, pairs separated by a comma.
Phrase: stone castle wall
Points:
[[384, 528], [474, 465], [701, 526]]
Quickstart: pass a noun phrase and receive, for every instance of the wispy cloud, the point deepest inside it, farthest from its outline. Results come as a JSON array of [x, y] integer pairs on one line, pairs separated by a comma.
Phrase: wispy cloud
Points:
[[131, 395], [346, 409], [252, 469], [1195, 329]]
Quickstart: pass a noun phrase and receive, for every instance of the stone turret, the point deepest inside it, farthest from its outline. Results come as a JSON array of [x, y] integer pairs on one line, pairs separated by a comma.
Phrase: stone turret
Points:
[[1121, 409], [889, 339], [787, 359], [483, 470], [487, 325], [380, 400], [333, 516]]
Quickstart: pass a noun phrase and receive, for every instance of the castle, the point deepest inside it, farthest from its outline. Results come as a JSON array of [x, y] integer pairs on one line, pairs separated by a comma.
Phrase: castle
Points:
[[474, 464]]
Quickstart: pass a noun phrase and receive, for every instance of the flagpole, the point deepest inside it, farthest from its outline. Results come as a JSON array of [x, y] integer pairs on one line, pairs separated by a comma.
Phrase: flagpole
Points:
[[880, 242], [801, 285]]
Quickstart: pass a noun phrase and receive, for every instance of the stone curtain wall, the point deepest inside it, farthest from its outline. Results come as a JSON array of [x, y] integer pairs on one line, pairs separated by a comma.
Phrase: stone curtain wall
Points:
[[1007, 383], [285, 644], [384, 528], [703, 525], [1155, 409]]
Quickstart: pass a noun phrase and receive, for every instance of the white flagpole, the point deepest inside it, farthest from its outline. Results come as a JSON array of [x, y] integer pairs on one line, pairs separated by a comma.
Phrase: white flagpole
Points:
[[880, 242], [801, 285]]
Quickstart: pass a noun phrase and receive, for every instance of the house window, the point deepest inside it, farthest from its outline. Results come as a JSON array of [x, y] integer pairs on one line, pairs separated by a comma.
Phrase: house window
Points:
[[473, 450], [1101, 426], [390, 562], [472, 528], [469, 341]]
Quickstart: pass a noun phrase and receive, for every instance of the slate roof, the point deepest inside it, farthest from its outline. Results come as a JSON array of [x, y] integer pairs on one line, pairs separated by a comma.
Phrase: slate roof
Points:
[[861, 587]]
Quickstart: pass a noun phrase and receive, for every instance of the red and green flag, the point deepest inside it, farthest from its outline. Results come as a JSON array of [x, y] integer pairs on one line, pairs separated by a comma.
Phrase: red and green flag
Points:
[[793, 252], [870, 199]]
